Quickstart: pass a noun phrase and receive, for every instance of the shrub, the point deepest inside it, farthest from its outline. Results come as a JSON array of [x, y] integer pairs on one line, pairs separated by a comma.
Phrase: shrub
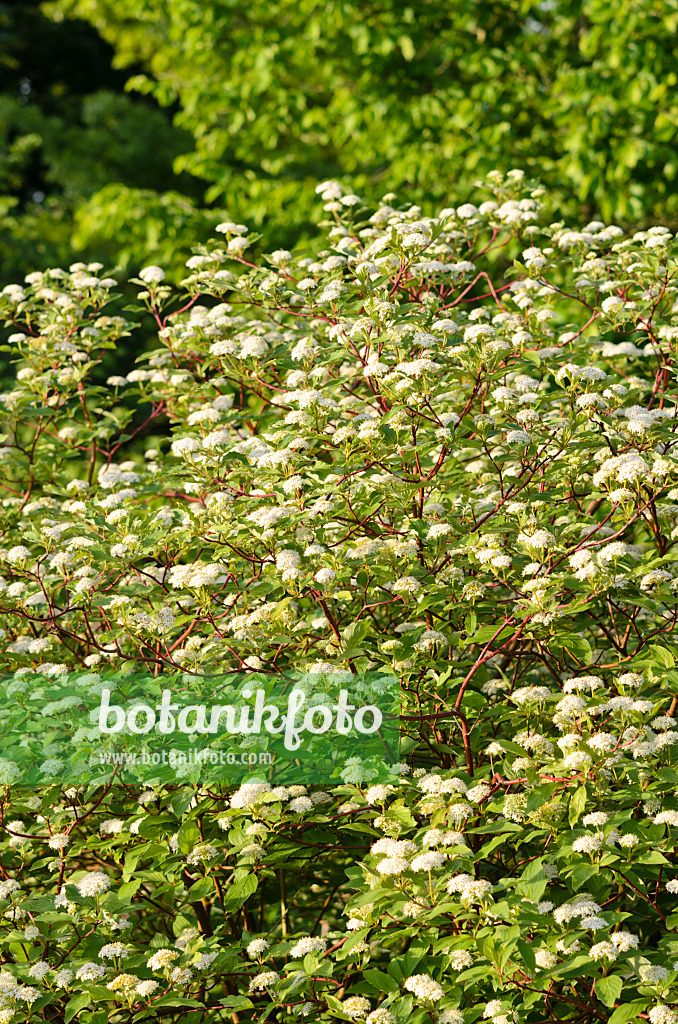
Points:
[[380, 458]]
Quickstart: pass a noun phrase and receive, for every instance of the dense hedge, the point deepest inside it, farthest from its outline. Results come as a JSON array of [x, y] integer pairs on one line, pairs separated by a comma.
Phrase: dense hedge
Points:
[[369, 469]]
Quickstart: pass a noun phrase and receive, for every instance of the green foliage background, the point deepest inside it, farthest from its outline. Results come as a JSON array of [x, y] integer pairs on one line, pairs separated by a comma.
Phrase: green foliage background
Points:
[[142, 122]]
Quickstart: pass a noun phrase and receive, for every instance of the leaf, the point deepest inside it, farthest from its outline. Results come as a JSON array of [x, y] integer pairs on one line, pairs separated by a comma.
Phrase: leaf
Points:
[[568, 970], [178, 1001], [661, 656], [652, 857], [581, 873], [577, 805], [127, 890], [203, 887], [406, 47], [354, 633], [75, 1005], [239, 892], [527, 954], [395, 971], [189, 836], [609, 989], [533, 880], [236, 1003], [381, 981], [131, 860], [470, 623], [627, 1011], [637, 962], [540, 796], [181, 801], [576, 645], [485, 633]]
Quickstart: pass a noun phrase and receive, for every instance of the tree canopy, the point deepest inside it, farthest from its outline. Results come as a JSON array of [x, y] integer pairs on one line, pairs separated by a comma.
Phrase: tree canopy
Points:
[[396, 95], [149, 124]]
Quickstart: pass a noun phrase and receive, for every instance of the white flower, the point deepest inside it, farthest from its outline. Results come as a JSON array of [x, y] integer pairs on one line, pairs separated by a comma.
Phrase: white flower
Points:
[[594, 923], [666, 818], [264, 980], [662, 1015], [256, 948], [595, 818], [424, 987], [459, 959], [407, 585], [147, 988], [152, 274], [653, 975], [301, 804], [603, 951], [114, 951], [93, 883], [393, 866], [308, 945], [380, 1016], [39, 970], [518, 437], [587, 844], [624, 941], [431, 861], [90, 972], [162, 959], [355, 1006]]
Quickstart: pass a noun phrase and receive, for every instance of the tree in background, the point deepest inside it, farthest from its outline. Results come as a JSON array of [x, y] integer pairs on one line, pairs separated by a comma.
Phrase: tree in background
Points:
[[241, 105], [68, 132], [388, 94]]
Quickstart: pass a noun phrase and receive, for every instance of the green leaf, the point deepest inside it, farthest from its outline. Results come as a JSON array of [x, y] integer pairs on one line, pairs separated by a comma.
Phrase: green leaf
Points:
[[533, 880], [354, 633], [203, 887], [470, 623], [609, 989], [395, 971], [127, 890], [381, 981], [239, 892], [527, 954], [540, 796], [178, 1001], [661, 656], [236, 1003], [576, 645], [627, 1011], [131, 860], [577, 805], [75, 1005], [485, 633], [189, 836], [181, 801]]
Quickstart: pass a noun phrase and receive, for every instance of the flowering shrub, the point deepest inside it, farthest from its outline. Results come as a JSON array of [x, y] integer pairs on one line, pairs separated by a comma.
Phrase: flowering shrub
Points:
[[380, 459]]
